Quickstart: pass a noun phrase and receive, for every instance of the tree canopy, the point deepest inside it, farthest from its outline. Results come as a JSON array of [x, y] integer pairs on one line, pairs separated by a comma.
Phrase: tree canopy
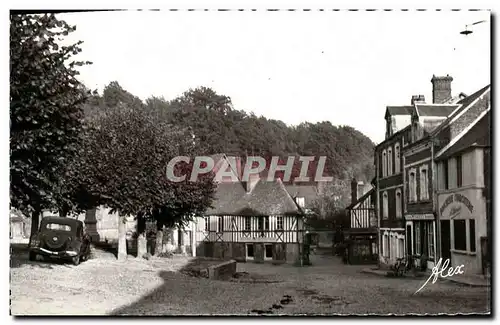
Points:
[[45, 110]]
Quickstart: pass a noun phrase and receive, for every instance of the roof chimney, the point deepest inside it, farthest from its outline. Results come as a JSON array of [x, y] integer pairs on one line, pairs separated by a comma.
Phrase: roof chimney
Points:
[[361, 188], [441, 89], [354, 190], [417, 99]]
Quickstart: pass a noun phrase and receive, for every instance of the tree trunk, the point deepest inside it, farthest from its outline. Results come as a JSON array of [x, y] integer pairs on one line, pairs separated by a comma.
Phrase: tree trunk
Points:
[[142, 247], [122, 239], [159, 241], [167, 238], [35, 222]]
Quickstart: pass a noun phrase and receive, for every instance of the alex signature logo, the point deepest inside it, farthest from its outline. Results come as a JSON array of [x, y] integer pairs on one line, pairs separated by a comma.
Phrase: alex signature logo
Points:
[[438, 271]]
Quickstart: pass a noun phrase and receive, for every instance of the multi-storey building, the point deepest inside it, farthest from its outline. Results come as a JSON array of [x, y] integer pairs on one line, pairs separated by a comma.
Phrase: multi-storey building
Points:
[[463, 182], [389, 184], [405, 170], [433, 128]]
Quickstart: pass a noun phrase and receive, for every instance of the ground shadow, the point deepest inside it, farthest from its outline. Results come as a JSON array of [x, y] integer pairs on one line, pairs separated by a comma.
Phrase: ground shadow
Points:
[[195, 267], [19, 256]]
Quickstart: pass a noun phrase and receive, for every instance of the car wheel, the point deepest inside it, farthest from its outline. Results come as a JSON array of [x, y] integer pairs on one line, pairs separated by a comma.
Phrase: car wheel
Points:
[[32, 256], [76, 260]]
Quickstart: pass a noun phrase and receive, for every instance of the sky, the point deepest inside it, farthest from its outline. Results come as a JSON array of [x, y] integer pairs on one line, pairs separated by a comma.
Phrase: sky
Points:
[[343, 67]]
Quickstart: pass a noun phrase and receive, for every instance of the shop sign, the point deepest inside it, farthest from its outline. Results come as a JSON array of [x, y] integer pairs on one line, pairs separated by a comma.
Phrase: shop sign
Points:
[[456, 210], [419, 217]]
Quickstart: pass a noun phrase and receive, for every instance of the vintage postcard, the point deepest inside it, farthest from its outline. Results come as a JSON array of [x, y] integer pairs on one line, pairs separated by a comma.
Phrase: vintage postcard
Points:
[[253, 162]]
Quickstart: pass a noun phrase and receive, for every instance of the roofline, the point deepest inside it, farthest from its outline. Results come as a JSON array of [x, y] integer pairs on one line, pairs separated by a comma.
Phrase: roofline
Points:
[[362, 198], [395, 134], [464, 132], [461, 151], [452, 117], [433, 104]]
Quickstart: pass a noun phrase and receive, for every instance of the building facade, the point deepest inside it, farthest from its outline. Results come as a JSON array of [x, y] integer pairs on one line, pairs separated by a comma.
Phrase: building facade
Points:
[[362, 235], [253, 222], [463, 172], [390, 195]]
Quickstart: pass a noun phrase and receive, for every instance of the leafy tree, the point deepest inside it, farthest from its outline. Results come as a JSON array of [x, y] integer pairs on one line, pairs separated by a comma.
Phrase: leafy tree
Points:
[[203, 98], [328, 211], [45, 110], [125, 162], [114, 94]]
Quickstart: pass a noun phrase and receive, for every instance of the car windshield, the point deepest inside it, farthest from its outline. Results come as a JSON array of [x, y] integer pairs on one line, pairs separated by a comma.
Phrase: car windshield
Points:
[[56, 226]]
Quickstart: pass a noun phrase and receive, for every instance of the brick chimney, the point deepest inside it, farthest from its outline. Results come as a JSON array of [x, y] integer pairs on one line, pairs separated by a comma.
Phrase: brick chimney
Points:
[[441, 89], [361, 188], [417, 99], [354, 190]]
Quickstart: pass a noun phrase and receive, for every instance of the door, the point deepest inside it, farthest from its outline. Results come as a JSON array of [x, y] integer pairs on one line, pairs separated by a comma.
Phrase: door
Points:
[[445, 240], [409, 240]]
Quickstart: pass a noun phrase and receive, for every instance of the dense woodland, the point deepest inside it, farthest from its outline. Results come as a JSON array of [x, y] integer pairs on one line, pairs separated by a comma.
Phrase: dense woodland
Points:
[[218, 127]]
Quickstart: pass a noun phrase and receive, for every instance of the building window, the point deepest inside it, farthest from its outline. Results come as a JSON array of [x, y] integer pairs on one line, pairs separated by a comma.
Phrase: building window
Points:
[[220, 224], [248, 223], [472, 236], [412, 186], [401, 247], [460, 235], [418, 239], [384, 163], [385, 206], [424, 183], [207, 223], [430, 238], [397, 159], [279, 223], [268, 251], [263, 225], [249, 251], [459, 171], [399, 206], [389, 161]]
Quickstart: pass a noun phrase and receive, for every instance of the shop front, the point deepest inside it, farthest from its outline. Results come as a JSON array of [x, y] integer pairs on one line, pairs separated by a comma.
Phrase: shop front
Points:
[[420, 236], [462, 215]]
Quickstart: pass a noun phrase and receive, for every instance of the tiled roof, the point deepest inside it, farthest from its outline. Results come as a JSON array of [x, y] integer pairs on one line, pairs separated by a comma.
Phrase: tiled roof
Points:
[[435, 110], [464, 104], [399, 110], [478, 136], [266, 198]]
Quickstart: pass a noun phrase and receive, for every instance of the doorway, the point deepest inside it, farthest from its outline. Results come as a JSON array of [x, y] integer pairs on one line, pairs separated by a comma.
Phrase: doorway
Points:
[[409, 239], [445, 240]]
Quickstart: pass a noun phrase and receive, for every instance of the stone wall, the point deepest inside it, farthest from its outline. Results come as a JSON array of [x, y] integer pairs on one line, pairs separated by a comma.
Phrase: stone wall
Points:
[[222, 271], [281, 252]]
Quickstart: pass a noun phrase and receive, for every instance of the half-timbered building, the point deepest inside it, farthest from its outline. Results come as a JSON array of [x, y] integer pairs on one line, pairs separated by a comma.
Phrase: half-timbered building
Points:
[[361, 236], [253, 221]]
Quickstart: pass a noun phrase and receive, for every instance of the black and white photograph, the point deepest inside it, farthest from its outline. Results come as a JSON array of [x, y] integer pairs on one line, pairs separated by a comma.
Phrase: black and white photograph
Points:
[[250, 162]]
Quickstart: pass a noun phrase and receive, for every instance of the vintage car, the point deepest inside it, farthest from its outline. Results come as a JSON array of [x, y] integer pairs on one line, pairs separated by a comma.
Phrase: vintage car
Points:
[[62, 238]]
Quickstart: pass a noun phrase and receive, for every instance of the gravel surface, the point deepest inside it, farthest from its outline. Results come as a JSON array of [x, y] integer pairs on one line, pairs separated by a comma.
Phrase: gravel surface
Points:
[[157, 287]]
